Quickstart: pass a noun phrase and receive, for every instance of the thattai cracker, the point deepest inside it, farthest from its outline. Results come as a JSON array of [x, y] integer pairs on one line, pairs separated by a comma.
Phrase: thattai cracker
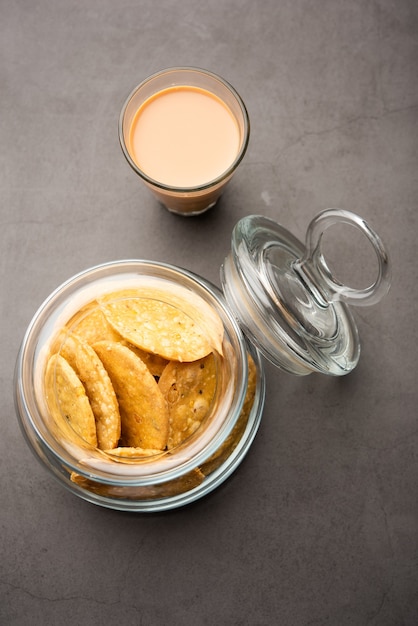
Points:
[[89, 368], [147, 492], [143, 410], [132, 453], [159, 323], [231, 442], [91, 325], [189, 389], [154, 362], [67, 399]]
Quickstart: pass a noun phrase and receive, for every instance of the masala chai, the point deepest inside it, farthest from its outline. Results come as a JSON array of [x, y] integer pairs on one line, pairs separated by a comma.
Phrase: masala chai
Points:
[[184, 131]]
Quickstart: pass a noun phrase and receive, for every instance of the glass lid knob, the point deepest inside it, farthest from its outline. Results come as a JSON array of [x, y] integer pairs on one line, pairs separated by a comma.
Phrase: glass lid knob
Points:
[[288, 301]]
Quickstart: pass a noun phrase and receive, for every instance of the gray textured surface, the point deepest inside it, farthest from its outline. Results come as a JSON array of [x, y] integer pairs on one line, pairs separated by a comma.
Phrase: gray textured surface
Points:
[[319, 526]]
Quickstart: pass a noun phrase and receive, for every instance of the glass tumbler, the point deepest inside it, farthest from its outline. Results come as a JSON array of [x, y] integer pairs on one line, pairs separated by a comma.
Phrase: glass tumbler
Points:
[[203, 125]]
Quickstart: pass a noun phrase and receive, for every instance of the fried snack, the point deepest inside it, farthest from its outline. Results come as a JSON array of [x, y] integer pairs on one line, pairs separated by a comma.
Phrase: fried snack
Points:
[[134, 373], [156, 326], [89, 368], [163, 490], [231, 442], [143, 410], [132, 453], [67, 399], [57, 341], [90, 325], [154, 362], [192, 305], [189, 389]]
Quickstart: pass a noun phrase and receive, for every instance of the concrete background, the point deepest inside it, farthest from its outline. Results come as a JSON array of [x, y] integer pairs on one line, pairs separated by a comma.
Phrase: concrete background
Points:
[[319, 525]]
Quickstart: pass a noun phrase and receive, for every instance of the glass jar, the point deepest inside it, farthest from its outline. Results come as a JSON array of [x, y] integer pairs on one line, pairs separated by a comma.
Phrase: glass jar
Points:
[[279, 299], [167, 480]]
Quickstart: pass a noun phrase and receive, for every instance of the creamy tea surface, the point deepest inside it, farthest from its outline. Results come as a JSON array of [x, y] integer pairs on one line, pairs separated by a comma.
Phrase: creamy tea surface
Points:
[[184, 136]]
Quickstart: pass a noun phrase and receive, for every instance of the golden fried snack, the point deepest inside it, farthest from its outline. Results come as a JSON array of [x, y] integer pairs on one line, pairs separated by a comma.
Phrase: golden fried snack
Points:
[[189, 389], [154, 362], [156, 326], [143, 410], [164, 490], [67, 399], [90, 325], [132, 453], [89, 368], [231, 442]]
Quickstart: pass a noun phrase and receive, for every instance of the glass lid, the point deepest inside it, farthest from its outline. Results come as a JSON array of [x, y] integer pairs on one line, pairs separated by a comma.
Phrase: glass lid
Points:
[[287, 300]]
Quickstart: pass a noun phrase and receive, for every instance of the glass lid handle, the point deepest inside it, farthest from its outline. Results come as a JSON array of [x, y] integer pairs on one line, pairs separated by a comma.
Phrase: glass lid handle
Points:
[[315, 273]]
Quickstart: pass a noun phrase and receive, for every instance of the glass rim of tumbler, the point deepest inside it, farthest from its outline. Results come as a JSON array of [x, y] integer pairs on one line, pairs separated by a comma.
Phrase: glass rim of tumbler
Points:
[[215, 78]]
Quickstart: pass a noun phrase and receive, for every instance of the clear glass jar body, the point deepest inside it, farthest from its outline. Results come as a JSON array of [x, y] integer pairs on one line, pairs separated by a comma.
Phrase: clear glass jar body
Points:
[[170, 480]]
